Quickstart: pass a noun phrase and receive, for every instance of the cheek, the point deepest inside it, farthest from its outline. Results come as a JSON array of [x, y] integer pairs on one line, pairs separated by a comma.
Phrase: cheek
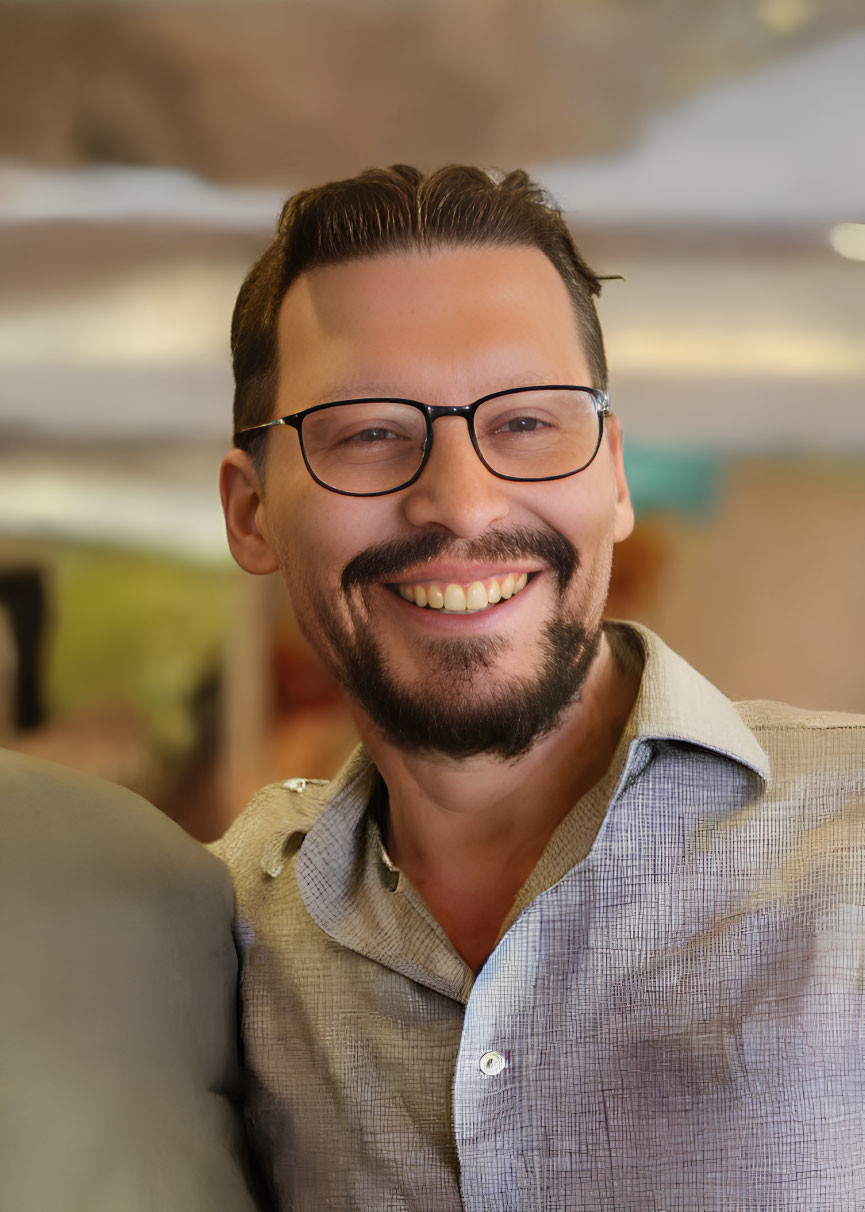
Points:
[[585, 517], [321, 532]]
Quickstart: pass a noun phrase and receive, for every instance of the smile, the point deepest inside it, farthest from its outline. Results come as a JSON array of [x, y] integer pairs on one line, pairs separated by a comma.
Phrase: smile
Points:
[[463, 599]]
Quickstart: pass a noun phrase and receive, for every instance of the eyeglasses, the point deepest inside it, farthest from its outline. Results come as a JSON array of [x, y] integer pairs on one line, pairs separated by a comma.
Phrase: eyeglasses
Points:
[[372, 447]]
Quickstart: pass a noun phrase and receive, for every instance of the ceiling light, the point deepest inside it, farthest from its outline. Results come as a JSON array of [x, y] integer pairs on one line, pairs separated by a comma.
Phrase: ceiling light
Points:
[[848, 240], [785, 16]]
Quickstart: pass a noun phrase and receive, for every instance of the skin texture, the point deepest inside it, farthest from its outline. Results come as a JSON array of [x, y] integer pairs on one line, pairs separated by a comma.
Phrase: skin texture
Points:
[[446, 327]]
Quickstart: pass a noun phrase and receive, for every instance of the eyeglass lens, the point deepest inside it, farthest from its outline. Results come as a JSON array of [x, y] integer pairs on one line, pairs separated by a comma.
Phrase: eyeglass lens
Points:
[[378, 446]]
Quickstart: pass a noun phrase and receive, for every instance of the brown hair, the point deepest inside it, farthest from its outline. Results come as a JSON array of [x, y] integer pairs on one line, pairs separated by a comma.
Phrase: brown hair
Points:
[[392, 210]]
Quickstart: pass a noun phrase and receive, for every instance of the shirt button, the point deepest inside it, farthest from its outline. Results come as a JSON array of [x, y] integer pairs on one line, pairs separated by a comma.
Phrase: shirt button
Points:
[[492, 1063]]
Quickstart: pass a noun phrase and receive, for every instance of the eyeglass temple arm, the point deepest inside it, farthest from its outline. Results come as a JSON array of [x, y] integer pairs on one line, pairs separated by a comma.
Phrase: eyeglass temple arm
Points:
[[292, 421]]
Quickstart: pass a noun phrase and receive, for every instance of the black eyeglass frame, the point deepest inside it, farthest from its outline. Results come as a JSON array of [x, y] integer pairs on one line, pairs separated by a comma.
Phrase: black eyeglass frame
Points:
[[432, 412]]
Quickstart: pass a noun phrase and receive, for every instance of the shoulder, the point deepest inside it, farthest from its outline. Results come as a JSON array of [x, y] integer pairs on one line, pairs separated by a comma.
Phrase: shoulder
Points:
[[805, 747], [33, 784], [779, 725], [275, 820], [58, 821], [122, 1024], [766, 714]]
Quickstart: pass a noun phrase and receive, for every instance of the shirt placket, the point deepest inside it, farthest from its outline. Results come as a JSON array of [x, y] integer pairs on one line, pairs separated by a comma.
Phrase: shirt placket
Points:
[[491, 1125]]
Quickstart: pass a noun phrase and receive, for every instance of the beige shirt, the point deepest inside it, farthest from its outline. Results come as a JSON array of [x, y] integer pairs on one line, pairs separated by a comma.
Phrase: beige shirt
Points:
[[672, 1017]]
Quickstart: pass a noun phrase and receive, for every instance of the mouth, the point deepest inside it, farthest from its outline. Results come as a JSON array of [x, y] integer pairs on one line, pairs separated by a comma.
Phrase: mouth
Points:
[[459, 598]]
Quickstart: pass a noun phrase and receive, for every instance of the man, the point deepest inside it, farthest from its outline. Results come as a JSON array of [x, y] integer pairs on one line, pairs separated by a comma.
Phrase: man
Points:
[[572, 930], [118, 1065]]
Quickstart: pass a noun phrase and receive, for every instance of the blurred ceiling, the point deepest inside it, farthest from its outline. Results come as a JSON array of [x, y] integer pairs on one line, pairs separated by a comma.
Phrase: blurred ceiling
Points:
[[294, 91], [707, 150]]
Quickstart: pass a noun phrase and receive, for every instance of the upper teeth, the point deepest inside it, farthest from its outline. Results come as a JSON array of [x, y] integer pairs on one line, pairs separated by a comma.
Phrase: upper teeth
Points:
[[462, 599]]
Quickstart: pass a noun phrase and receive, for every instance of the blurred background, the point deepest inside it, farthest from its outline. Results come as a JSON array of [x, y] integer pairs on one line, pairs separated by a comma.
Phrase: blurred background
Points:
[[711, 153]]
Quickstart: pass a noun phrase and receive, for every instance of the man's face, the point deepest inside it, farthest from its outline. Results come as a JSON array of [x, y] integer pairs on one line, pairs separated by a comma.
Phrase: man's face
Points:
[[444, 328]]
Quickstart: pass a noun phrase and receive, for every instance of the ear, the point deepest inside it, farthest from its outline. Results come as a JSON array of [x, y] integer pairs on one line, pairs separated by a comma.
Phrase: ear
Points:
[[243, 506], [624, 510]]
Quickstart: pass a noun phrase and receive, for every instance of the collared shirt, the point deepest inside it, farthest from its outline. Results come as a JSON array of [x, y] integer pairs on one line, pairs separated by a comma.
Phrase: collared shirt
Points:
[[673, 1017]]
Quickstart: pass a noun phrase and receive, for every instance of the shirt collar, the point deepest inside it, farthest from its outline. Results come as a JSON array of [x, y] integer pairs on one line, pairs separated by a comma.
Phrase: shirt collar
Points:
[[347, 884], [342, 869], [676, 703]]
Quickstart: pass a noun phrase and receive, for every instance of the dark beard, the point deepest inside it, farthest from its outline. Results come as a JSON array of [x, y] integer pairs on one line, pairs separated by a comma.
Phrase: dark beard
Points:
[[504, 727], [504, 721]]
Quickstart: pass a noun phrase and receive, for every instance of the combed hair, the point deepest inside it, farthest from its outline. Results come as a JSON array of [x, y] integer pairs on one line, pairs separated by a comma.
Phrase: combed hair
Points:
[[389, 210]]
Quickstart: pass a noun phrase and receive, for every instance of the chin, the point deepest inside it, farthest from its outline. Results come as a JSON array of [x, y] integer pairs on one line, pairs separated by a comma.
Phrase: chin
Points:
[[464, 703]]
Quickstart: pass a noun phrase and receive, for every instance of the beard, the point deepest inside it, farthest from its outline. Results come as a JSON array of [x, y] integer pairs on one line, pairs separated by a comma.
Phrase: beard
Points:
[[465, 714]]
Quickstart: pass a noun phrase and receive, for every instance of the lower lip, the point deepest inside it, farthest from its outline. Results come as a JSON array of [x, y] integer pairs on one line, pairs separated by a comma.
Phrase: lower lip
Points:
[[458, 624]]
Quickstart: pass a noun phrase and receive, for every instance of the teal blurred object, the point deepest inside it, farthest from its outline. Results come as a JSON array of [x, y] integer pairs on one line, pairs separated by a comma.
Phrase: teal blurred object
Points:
[[680, 479]]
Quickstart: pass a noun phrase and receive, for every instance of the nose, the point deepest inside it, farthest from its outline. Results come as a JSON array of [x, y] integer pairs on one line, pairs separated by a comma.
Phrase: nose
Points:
[[455, 492]]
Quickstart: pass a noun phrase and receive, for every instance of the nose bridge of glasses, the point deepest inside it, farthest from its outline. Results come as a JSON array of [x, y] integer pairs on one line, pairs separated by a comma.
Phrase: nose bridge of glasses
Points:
[[449, 412], [454, 487], [452, 450], [434, 411]]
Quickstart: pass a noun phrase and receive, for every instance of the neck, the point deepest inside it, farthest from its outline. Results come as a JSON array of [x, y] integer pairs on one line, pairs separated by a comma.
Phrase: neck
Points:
[[468, 832]]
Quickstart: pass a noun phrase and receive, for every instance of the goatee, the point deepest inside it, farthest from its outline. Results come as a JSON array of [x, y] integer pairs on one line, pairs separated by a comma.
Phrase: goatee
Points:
[[453, 713]]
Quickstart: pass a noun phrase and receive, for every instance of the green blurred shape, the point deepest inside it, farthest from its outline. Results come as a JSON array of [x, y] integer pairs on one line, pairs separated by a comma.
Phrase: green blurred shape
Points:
[[136, 629], [673, 478]]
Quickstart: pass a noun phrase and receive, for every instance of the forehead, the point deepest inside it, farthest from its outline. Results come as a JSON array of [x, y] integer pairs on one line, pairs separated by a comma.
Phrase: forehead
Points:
[[493, 311]]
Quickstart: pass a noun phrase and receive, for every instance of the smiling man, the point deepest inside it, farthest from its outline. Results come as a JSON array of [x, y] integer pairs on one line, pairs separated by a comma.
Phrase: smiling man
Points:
[[562, 932]]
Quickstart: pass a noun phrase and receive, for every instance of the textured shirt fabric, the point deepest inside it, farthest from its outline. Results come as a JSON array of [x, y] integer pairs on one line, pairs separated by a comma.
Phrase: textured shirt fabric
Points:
[[672, 1020]]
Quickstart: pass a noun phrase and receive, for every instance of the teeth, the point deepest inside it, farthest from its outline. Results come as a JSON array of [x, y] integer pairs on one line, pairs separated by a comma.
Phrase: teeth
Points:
[[476, 598], [460, 599], [455, 598]]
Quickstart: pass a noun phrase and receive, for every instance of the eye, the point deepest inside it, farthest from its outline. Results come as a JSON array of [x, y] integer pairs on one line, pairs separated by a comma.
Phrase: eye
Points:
[[513, 425], [373, 435], [522, 425]]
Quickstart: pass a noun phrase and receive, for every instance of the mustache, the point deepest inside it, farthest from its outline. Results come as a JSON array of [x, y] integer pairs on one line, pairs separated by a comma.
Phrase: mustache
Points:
[[386, 561]]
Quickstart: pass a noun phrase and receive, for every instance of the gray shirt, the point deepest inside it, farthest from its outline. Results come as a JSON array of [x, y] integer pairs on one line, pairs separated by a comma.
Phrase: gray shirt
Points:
[[672, 1018], [118, 1024]]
